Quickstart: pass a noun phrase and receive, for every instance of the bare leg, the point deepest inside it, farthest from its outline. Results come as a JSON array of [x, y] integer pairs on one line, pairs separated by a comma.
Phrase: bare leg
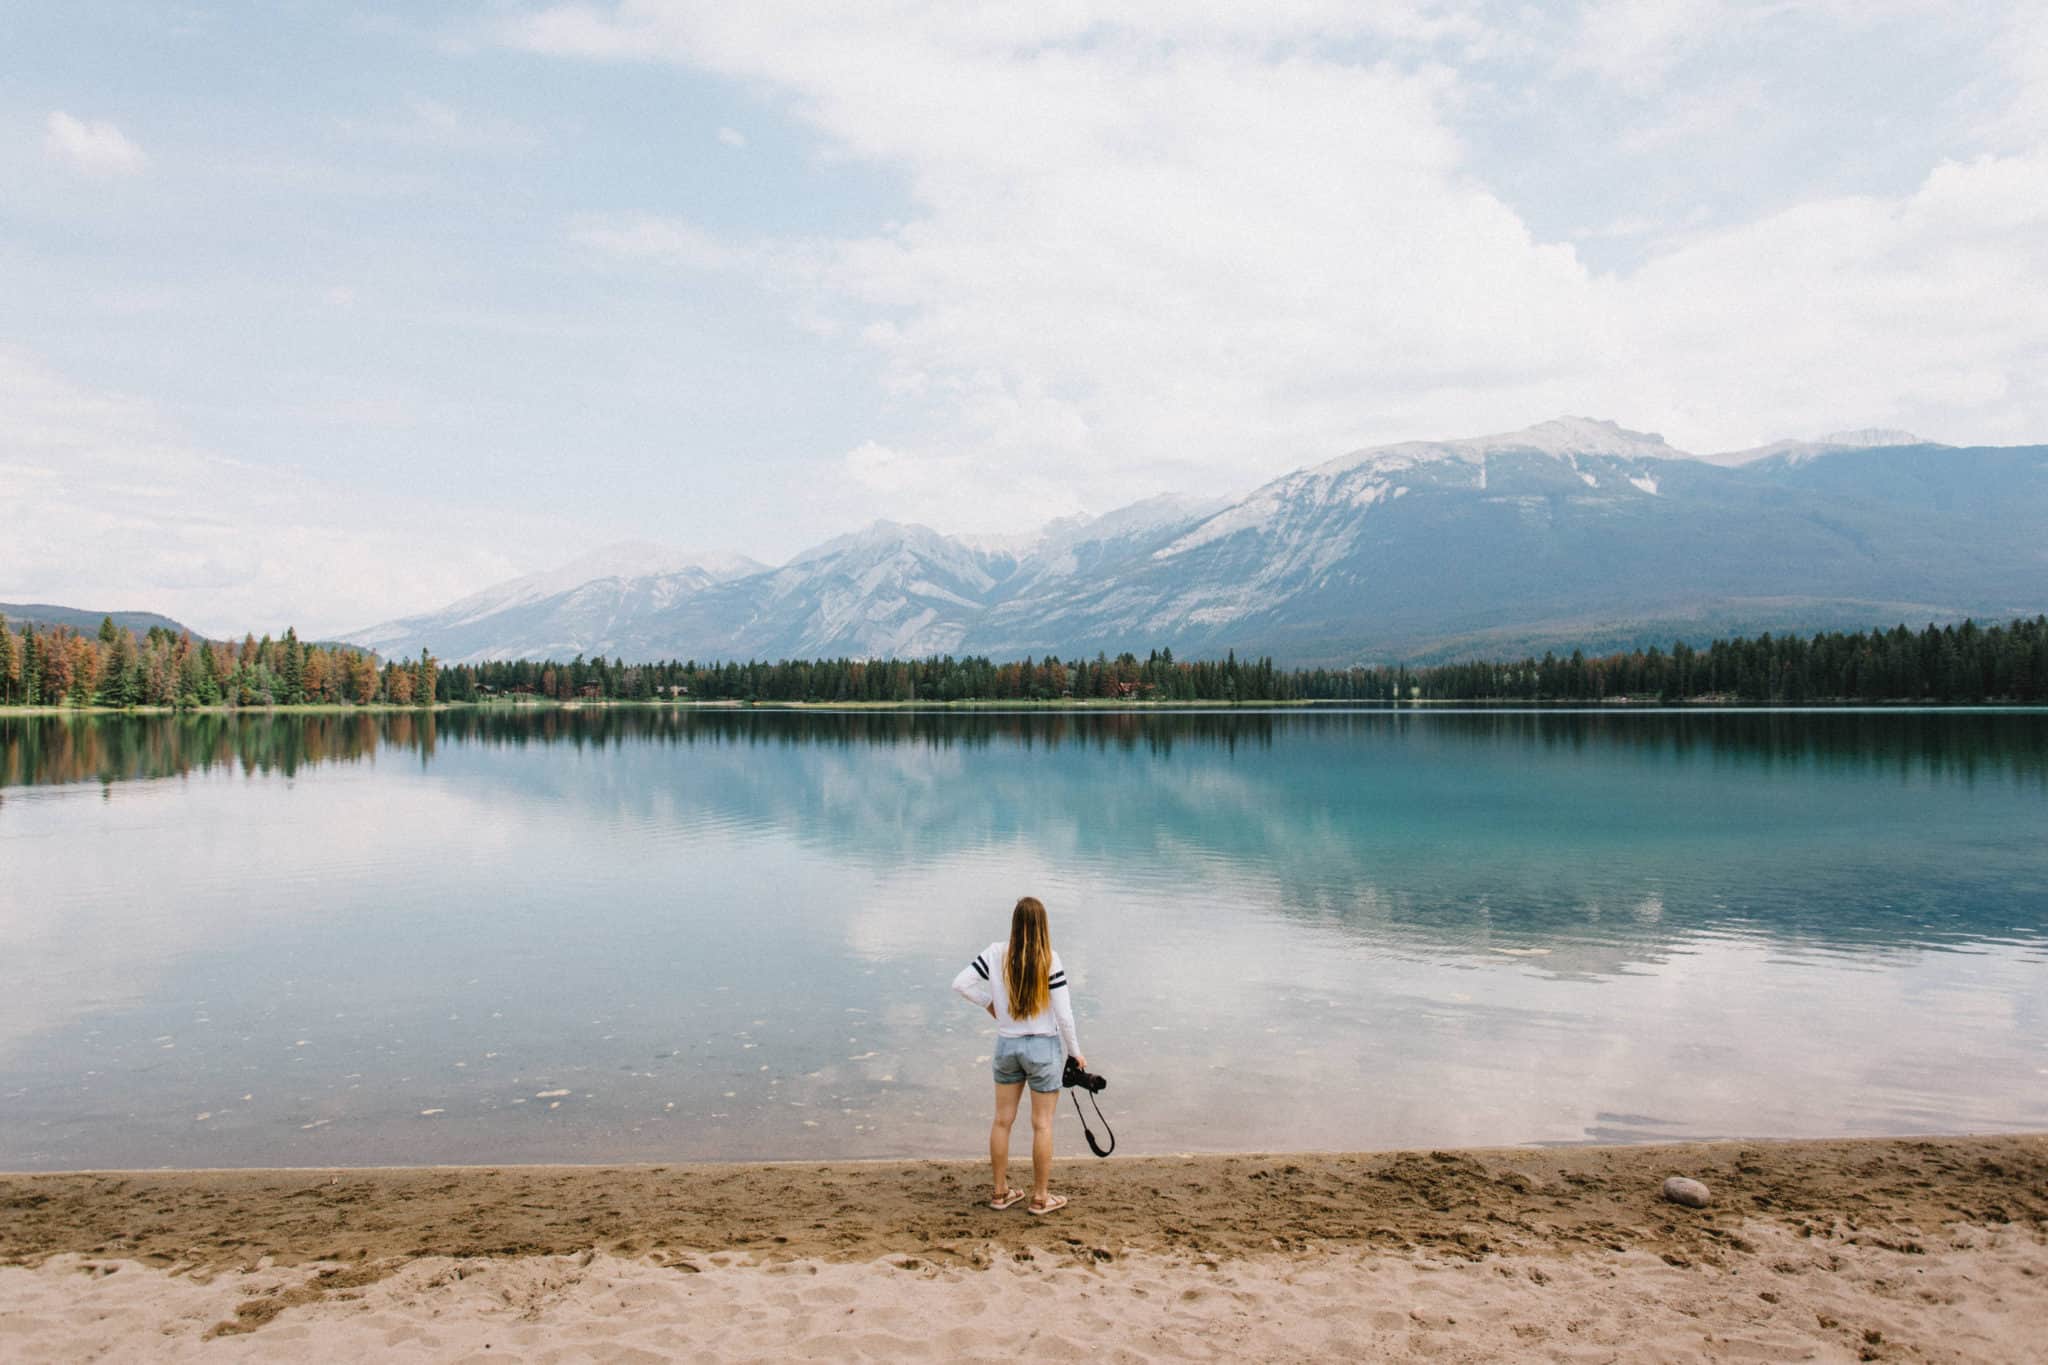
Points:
[[1045, 1105], [1007, 1097]]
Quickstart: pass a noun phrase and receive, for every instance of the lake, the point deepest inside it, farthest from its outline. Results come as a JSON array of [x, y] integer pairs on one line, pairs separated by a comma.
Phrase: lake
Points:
[[640, 934]]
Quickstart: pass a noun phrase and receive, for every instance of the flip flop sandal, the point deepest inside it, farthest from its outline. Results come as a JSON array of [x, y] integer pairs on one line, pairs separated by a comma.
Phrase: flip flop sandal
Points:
[[1058, 1201], [1008, 1199]]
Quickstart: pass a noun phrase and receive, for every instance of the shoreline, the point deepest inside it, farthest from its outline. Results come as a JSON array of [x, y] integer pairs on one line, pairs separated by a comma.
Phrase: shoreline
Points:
[[216, 1216], [1871, 1248], [1510, 1151]]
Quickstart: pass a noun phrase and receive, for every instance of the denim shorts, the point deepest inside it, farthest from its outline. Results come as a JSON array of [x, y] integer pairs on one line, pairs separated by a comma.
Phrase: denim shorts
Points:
[[1038, 1058]]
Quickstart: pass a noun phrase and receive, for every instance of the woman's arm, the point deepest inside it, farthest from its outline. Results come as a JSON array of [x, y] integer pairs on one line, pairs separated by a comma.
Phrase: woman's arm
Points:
[[972, 985], [1063, 1012]]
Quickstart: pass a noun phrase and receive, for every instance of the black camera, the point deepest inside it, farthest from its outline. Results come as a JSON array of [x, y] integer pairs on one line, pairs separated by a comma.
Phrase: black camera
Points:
[[1086, 1080], [1075, 1078]]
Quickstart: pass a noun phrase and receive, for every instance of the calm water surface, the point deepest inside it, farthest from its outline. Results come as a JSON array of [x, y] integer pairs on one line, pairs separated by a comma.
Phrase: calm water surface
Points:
[[652, 935]]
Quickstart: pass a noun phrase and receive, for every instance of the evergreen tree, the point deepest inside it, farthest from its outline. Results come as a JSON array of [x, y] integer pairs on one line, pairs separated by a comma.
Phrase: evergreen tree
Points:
[[123, 683], [292, 669], [31, 669]]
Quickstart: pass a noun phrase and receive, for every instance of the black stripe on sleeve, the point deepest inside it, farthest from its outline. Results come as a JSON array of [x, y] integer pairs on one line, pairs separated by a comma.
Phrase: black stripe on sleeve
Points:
[[981, 967], [1059, 983]]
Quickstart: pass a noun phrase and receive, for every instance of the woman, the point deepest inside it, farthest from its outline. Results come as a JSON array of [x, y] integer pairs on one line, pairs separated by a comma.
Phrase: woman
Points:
[[1022, 985]]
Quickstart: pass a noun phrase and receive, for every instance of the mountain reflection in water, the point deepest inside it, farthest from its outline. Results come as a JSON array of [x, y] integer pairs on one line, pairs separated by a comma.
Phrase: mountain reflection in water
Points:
[[728, 933], [107, 748]]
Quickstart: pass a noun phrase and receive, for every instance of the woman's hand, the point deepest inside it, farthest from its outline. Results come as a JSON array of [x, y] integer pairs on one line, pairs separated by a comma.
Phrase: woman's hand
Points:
[[1080, 1061]]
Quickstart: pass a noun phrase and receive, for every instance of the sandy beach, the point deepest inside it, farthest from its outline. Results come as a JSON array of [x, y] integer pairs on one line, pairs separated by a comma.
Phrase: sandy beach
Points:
[[1931, 1249]]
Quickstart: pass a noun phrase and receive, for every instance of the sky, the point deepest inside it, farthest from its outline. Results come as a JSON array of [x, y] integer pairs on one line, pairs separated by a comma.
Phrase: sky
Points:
[[316, 313]]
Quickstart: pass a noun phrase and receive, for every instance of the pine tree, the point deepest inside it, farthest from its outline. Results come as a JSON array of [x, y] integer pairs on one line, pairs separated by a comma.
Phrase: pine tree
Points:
[[292, 668], [31, 669], [122, 684], [362, 678], [193, 680]]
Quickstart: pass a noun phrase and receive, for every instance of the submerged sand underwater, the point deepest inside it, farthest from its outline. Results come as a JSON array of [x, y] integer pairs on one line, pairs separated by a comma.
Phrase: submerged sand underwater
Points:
[[1932, 1249]]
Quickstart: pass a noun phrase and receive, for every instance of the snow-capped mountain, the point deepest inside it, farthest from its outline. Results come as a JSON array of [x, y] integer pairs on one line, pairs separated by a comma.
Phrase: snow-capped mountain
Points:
[[1563, 438], [579, 608], [1865, 438], [1871, 438], [1572, 532], [885, 589], [899, 590], [1314, 537]]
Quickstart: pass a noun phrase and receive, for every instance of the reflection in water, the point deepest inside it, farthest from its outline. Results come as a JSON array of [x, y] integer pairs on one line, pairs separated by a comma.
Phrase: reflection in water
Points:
[[38, 750], [725, 934]]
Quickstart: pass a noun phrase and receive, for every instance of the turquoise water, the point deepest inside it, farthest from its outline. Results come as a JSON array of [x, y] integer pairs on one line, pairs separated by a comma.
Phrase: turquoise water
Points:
[[596, 936]]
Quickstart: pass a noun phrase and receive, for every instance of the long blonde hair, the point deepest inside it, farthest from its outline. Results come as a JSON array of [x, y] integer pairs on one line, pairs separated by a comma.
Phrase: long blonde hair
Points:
[[1027, 961]]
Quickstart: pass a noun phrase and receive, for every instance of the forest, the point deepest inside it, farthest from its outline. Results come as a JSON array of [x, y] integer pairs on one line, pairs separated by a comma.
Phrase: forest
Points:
[[55, 665], [1941, 664]]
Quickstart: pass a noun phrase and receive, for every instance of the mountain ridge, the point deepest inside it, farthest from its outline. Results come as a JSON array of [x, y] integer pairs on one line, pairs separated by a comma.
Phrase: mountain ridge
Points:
[[1391, 552], [86, 622]]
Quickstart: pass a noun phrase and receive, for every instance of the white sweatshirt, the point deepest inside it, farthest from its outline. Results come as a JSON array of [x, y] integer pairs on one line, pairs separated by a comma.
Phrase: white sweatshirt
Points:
[[981, 982]]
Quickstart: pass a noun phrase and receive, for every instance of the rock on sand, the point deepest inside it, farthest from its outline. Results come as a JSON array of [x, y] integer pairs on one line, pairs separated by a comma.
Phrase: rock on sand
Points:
[[1690, 1193]]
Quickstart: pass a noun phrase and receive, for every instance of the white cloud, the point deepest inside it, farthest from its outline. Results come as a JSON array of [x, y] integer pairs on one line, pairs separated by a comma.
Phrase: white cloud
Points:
[[1126, 250], [1635, 43], [1639, 46], [1628, 225], [929, 486], [111, 509], [2022, 52], [1921, 310], [1171, 246], [1106, 251], [1712, 113], [438, 126], [91, 148], [669, 241], [885, 470]]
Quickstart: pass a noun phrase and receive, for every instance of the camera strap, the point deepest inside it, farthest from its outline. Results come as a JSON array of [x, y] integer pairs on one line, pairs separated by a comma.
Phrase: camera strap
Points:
[[1088, 1132]]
